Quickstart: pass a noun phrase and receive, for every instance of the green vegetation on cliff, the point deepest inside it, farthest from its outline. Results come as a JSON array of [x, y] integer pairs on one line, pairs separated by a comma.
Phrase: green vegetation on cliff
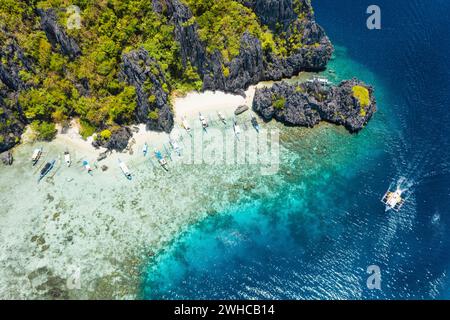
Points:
[[88, 85]]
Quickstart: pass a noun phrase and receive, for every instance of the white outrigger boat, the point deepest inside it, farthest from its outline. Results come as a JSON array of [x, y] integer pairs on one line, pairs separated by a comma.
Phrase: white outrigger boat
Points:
[[396, 196], [185, 125], [237, 130], [37, 153], [162, 161], [145, 149], [67, 158], [203, 121], [125, 170], [87, 166], [175, 146], [222, 117], [321, 80]]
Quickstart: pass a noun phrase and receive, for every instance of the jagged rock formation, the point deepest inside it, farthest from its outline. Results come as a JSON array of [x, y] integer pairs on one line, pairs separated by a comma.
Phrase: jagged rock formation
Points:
[[11, 126], [309, 103], [276, 14], [144, 73], [252, 65], [12, 122], [56, 34], [118, 140]]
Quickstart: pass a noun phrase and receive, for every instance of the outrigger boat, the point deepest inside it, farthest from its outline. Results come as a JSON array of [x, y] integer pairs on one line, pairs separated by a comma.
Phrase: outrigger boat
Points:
[[175, 146], [222, 117], [237, 129], [323, 81], [185, 125], [162, 161], [203, 121], [396, 196], [37, 153], [67, 158], [46, 169], [87, 166], [255, 124], [145, 149], [125, 169]]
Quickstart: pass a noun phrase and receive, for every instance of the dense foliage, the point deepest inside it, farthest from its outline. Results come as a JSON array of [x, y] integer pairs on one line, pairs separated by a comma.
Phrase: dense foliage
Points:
[[88, 86]]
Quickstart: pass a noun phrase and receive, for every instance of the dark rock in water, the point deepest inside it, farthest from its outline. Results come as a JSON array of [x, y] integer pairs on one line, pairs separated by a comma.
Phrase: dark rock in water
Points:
[[241, 109], [104, 168], [102, 156], [7, 158], [118, 140], [56, 34], [144, 73], [309, 103]]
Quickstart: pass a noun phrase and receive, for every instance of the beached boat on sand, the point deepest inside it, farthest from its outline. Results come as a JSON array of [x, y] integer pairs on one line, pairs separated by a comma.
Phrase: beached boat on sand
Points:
[[125, 170], [203, 121], [162, 161], [255, 124], [46, 169], [145, 149], [222, 117], [37, 153], [185, 125], [237, 129], [67, 158], [87, 166], [175, 146]]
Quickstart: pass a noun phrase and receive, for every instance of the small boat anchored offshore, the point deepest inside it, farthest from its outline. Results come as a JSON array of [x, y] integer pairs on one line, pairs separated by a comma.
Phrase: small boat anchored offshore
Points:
[[162, 161], [46, 169], [396, 196], [87, 166], [67, 158], [37, 153], [125, 170]]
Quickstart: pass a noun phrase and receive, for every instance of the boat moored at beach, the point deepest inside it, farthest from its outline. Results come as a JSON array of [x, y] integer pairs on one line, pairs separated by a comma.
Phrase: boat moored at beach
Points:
[[67, 158], [87, 166], [37, 153], [237, 129], [145, 149], [186, 125], [255, 124], [222, 117], [203, 121], [162, 161], [46, 169], [125, 170], [176, 147]]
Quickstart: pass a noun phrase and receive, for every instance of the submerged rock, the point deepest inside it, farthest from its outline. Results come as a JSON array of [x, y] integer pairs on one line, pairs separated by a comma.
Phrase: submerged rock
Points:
[[7, 158], [241, 109], [309, 103]]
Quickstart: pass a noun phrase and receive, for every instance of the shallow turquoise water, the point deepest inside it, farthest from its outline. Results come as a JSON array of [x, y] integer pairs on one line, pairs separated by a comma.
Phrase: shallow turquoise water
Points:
[[243, 251]]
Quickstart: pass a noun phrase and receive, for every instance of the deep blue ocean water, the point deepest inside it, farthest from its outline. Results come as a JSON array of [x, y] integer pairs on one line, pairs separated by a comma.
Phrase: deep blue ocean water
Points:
[[316, 237]]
